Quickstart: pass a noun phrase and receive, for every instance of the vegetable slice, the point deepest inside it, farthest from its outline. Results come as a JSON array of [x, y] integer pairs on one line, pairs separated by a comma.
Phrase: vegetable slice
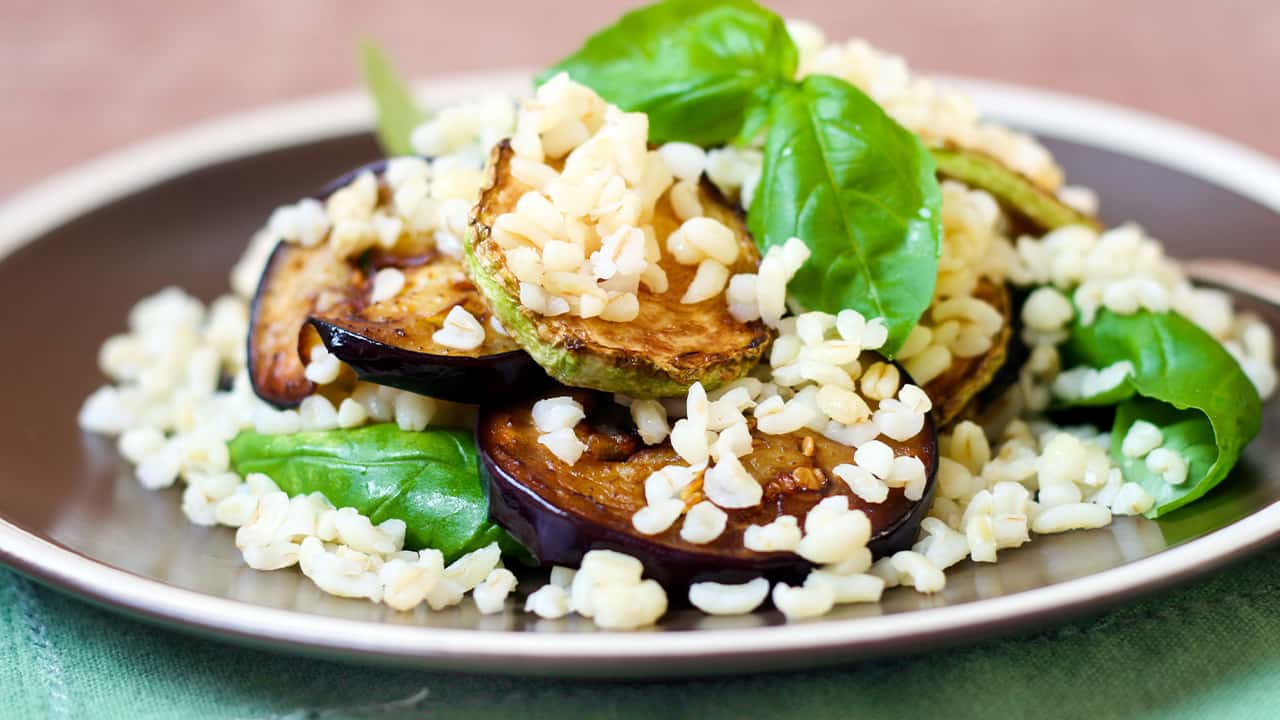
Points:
[[860, 191], [428, 479], [390, 342], [292, 284], [667, 348], [1015, 191], [1180, 371], [560, 512], [965, 378]]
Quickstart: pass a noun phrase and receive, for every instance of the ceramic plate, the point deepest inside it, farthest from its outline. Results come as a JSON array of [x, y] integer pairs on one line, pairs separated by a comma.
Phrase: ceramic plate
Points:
[[82, 248]]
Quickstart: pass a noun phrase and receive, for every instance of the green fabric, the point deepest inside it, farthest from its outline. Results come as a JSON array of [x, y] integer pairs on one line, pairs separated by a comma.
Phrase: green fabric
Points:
[[1210, 650]]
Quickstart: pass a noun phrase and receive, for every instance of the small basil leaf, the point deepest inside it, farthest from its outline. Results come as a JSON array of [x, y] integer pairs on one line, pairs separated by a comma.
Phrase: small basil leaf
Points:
[[398, 113], [1184, 368], [428, 479], [1186, 431], [696, 67], [860, 191]]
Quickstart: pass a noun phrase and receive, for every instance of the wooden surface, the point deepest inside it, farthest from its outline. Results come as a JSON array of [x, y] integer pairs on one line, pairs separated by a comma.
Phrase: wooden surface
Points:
[[82, 78]]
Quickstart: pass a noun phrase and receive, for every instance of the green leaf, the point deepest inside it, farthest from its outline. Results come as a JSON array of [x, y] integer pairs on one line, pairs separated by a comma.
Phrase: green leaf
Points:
[[428, 479], [398, 113], [697, 67], [1186, 431], [860, 191], [1186, 383]]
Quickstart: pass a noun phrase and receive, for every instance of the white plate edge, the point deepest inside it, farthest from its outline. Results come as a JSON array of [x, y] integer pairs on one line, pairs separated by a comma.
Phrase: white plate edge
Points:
[[71, 193]]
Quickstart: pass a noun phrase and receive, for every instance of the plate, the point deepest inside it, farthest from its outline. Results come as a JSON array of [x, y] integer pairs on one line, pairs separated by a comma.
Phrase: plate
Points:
[[82, 248]]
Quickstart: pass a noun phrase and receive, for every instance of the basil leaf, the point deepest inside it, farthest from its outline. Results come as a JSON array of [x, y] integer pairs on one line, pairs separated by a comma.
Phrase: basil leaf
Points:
[[697, 67], [1207, 403], [398, 113], [1186, 431], [428, 479], [860, 191]]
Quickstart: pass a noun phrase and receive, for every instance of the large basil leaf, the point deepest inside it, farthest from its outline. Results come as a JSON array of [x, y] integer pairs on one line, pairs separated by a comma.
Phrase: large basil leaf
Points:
[[398, 113], [860, 191], [428, 479], [697, 67], [1186, 383]]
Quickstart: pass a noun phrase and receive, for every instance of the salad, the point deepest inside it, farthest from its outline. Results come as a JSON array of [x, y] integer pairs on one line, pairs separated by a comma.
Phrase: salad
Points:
[[719, 314]]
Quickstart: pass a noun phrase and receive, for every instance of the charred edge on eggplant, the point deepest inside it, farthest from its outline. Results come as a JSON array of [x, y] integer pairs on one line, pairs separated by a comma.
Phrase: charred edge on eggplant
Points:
[[292, 280]]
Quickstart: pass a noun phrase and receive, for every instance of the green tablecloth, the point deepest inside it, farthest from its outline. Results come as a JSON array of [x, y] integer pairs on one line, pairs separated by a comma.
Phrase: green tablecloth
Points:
[[1210, 650]]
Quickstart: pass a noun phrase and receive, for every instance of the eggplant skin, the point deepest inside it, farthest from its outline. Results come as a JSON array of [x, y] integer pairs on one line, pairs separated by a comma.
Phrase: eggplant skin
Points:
[[561, 512], [459, 378], [377, 167], [666, 349]]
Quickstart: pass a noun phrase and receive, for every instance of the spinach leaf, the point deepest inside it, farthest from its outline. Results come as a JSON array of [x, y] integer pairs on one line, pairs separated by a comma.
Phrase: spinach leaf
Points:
[[697, 67], [860, 191], [428, 479], [1186, 383], [398, 113]]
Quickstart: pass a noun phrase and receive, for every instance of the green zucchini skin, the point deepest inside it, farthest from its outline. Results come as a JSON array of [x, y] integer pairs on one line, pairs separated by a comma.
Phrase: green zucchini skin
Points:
[[1016, 192]]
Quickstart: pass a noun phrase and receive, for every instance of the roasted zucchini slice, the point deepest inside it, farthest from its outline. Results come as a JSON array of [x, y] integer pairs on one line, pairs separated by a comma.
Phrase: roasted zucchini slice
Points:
[[667, 348], [560, 512], [1023, 198], [1031, 207], [961, 382]]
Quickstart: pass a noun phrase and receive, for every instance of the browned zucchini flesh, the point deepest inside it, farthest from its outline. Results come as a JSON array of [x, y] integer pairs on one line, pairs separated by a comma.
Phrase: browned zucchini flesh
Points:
[[952, 390], [667, 348]]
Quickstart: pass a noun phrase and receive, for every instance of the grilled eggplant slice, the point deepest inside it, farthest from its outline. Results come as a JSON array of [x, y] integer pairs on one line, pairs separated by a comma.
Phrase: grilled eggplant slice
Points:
[[390, 342], [561, 512], [1018, 194], [662, 352], [387, 342], [960, 383], [294, 282]]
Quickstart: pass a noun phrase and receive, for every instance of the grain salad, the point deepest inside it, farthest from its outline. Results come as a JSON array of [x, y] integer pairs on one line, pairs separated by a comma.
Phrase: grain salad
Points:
[[782, 325]]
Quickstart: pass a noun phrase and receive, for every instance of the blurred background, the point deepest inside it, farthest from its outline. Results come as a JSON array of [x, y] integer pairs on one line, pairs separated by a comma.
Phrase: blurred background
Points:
[[81, 78]]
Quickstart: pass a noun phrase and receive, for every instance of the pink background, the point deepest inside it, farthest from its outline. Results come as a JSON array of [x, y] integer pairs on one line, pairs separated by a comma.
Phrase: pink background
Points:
[[79, 79]]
